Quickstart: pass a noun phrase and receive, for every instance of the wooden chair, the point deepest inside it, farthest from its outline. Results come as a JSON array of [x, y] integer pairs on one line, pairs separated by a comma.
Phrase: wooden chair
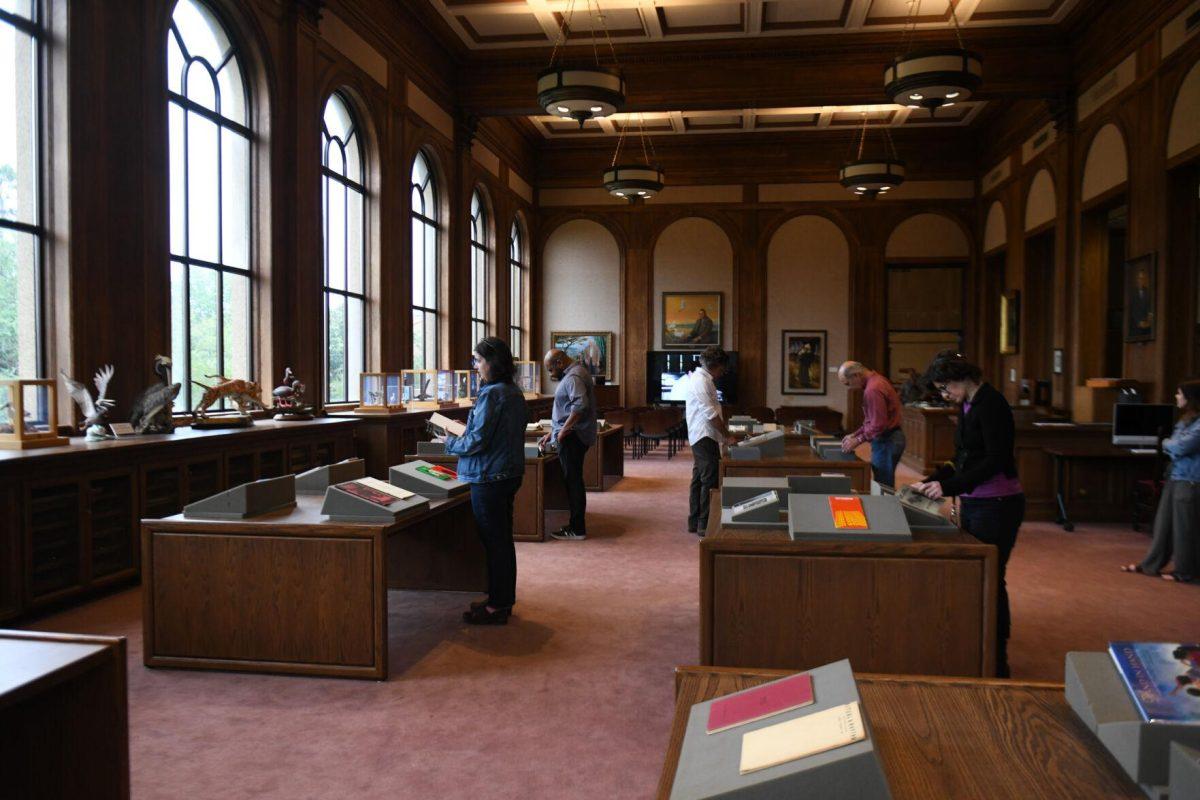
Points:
[[628, 420], [656, 427]]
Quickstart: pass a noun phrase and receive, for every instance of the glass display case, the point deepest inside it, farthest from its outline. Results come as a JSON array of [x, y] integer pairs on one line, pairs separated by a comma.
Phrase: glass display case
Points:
[[381, 393], [446, 387], [29, 414], [466, 386], [529, 379], [428, 388]]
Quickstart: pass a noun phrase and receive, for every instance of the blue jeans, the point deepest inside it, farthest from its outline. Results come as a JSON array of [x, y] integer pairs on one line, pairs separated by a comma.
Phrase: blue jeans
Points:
[[885, 455], [492, 504]]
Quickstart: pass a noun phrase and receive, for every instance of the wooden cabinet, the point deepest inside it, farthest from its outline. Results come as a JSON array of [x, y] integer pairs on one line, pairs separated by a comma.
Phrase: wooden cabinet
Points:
[[928, 436]]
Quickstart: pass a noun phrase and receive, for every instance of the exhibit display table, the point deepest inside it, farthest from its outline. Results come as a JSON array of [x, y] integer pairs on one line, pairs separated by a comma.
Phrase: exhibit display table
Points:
[[64, 721], [292, 592], [1087, 478], [798, 459], [928, 436], [949, 737], [925, 607], [541, 502], [604, 462]]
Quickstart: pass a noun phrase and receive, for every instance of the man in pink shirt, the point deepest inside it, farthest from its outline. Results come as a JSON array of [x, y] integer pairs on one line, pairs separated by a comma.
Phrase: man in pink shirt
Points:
[[881, 420]]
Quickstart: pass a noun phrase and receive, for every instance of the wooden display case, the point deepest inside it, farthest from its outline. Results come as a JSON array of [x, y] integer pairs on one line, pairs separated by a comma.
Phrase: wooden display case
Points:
[[466, 386], [29, 414], [382, 393], [529, 379], [428, 389]]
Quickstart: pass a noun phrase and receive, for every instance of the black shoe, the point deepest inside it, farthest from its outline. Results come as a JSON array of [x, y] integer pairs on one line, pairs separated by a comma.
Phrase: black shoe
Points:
[[481, 616], [567, 535]]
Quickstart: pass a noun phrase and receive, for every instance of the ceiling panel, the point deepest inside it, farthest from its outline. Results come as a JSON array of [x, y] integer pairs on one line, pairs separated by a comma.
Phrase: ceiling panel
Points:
[[616, 22], [893, 12], [796, 14], [701, 19]]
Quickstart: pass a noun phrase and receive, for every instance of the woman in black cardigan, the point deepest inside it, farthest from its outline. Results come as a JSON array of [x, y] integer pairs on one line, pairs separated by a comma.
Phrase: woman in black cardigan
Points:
[[983, 474]]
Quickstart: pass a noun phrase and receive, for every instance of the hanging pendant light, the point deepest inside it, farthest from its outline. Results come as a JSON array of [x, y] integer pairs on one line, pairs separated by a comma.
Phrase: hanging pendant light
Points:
[[634, 181], [581, 92], [870, 177], [932, 78]]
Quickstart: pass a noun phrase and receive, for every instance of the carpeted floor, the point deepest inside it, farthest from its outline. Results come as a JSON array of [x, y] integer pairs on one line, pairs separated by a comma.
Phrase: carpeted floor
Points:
[[573, 699]]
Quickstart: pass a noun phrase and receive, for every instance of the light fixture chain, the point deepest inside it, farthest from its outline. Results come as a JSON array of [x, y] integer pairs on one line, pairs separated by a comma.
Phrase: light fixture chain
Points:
[[620, 141], [563, 27], [596, 17], [862, 142], [957, 27], [608, 38], [891, 144]]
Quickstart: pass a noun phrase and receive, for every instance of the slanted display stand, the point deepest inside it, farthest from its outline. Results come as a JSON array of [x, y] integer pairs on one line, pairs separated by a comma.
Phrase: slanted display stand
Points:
[[318, 479], [768, 514], [248, 500], [810, 519], [820, 484], [756, 448], [431, 448], [415, 477], [709, 763], [1143, 749], [342, 506], [1185, 772]]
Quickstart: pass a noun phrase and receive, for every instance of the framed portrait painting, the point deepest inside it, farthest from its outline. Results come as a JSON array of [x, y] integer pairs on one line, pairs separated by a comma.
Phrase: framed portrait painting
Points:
[[1140, 293], [1010, 322], [804, 366], [593, 349], [691, 320]]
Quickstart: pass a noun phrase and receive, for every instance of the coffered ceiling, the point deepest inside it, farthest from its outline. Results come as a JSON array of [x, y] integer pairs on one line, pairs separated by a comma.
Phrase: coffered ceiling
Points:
[[504, 24]]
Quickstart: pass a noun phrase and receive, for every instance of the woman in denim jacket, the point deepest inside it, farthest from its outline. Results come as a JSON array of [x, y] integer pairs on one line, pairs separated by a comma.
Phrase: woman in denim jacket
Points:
[[1177, 523], [491, 457]]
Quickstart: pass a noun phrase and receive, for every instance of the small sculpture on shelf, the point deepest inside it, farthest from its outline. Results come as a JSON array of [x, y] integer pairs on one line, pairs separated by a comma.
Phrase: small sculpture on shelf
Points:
[[94, 411], [242, 393], [289, 399], [153, 408]]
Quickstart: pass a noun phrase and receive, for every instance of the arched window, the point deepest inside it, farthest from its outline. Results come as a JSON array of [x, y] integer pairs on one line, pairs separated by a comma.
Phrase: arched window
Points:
[[22, 234], [344, 208], [425, 282], [479, 269], [516, 292], [209, 117]]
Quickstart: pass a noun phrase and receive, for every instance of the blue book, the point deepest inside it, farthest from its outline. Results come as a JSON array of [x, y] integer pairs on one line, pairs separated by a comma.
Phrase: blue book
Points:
[[1163, 679]]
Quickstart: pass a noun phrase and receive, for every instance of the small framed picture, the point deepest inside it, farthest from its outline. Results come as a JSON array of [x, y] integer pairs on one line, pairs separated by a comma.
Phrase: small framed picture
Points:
[[1058, 361], [803, 362], [593, 349], [691, 320], [1140, 294], [1010, 322]]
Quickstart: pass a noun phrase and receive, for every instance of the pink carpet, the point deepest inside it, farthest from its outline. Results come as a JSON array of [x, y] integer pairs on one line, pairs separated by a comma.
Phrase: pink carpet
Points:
[[573, 699]]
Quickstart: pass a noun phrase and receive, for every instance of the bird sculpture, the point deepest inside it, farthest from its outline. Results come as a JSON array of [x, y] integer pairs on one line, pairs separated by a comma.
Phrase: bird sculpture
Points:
[[94, 411], [289, 398], [152, 409]]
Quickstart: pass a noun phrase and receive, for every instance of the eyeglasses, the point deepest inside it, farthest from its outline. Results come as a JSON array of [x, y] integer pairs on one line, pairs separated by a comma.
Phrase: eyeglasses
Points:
[[941, 387]]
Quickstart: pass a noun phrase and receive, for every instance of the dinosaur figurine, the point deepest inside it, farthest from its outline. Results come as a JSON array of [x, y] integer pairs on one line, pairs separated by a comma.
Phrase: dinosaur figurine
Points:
[[243, 393], [94, 411]]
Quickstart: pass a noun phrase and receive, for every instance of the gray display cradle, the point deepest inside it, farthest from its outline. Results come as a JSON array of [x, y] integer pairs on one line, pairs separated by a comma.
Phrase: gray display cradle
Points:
[[820, 484], [735, 490], [532, 451], [809, 519], [1098, 695], [342, 506], [817, 439], [248, 500], [318, 479], [407, 477], [708, 763], [1185, 772], [756, 448], [742, 419], [833, 452], [431, 448]]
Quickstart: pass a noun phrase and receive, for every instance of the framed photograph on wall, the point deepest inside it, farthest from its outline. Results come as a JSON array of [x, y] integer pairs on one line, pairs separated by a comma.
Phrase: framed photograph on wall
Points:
[[1058, 361], [1010, 322], [1141, 286], [691, 320], [593, 349], [804, 362]]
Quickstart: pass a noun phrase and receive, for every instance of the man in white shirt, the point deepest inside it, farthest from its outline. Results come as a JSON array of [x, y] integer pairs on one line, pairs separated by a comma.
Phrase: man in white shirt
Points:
[[706, 432]]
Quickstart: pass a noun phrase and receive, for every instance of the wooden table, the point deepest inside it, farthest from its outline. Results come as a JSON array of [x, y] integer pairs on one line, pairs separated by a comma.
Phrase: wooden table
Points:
[[541, 503], [1091, 475], [798, 459], [604, 462], [929, 436], [64, 723], [292, 592], [949, 737], [925, 608]]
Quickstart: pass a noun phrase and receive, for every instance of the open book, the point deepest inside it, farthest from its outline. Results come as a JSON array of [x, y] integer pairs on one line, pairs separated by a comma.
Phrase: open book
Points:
[[447, 425]]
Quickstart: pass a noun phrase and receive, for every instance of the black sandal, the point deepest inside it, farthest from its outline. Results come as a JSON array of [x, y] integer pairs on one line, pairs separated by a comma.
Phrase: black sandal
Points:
[[1177, 578], [481, 616]]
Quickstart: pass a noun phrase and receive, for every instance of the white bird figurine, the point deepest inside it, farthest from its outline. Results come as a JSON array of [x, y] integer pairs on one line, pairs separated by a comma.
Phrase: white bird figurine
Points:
[[93, 411]]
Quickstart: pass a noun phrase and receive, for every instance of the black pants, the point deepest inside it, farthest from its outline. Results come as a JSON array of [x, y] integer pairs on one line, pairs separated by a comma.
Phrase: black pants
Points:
[[492, 504], [706, 457], [996, 520], [570, 454]]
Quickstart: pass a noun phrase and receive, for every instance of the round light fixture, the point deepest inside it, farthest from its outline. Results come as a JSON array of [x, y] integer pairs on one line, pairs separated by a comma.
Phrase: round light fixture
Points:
[[872, 176], [581, 93], [933, 78], [630, 181]]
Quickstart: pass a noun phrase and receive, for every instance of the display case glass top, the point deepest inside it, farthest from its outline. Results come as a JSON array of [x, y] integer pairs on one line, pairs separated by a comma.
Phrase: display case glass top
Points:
[[529, 378], [29, 414], [382, 393]]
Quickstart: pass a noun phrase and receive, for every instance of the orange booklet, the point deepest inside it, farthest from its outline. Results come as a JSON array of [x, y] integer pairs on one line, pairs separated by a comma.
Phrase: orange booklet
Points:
[[848, 512]]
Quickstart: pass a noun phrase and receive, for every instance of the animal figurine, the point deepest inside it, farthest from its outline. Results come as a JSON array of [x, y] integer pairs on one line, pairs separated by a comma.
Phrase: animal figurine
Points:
[[243, 393], [94, 411], [289, 398], [151, 412]]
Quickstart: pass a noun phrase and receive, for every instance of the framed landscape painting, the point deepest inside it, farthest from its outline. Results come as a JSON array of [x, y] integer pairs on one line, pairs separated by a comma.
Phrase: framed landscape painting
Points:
[[593, 349], [691, 320], [804, 362]]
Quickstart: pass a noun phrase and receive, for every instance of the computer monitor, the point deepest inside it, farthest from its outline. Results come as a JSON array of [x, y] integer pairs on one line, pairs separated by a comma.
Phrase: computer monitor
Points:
[[1141, 424]]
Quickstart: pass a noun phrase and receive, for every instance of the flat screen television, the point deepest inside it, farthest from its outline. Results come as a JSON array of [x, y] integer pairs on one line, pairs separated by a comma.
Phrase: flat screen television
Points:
[[1141, 424], [666, 369]]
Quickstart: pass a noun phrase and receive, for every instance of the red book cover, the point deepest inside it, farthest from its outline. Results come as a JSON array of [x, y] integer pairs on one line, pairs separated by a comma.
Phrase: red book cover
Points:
[[367, 493], [848, 513], [761, 702]]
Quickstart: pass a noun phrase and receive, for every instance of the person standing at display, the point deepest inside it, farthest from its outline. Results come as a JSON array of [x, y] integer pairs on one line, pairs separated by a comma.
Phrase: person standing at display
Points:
[[707, 431], [983, 474], [1177, 521], [491, 458], [573, 431], [881, 420]]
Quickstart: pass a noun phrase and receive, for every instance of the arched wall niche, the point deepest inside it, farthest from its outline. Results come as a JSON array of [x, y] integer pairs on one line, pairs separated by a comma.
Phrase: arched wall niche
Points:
[[1041, 203], [694, 254], [928, 235], [1184, 130], [810, 253], [1107, 163], [995, 230]]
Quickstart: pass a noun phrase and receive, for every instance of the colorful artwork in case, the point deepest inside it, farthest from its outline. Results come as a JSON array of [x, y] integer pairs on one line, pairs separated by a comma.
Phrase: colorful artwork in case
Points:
[[1162, 678], [439, 473]]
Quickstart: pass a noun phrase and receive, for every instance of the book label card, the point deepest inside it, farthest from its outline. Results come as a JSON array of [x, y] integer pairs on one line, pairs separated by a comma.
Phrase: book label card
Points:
[[756, 502], [801, 737], [760, 702]]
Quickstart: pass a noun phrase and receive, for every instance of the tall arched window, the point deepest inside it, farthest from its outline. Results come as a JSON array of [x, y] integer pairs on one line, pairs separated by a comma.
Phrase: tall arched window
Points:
[[479, 269], [425, 282], [209, 116], [344, 205], [22, 235], [516, 292]]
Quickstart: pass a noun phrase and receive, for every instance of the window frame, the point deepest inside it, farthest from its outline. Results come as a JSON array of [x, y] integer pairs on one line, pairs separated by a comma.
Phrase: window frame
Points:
[[431, 194], [480, 269], [518, 277]]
